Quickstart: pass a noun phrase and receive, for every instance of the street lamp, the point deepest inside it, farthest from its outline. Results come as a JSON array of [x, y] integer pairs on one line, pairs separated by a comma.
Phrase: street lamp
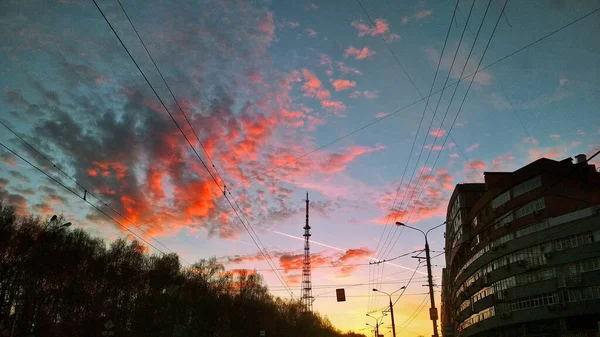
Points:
[[376, 322], [391, 307], [433, 314], [53, 219]]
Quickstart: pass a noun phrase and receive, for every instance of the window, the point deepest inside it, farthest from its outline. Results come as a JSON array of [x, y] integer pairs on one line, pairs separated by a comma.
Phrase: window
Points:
[[583, 294], [501, 200], [573, 241], [531, 302], [531, 207], [503, 220], [527, 186]]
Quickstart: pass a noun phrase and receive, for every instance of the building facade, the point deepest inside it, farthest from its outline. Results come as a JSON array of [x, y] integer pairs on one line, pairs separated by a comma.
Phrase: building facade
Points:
[[523, 253]]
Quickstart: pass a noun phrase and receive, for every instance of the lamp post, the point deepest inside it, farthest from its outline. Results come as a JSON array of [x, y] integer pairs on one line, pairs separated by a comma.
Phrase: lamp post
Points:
[[433, 314], [391, 308], [52, 220], [376, 322]]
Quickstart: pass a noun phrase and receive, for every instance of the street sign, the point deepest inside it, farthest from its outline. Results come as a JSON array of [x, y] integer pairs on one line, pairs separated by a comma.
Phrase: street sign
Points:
[[341, 295], [433, 314], [263, 333], [108, 329]]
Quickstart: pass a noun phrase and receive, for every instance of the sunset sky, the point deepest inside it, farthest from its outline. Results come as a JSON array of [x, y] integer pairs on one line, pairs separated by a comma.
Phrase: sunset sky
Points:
[[266, 82]]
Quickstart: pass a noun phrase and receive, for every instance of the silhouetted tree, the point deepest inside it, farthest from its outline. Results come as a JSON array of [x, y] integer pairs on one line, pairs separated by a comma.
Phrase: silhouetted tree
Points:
[[57, 282]]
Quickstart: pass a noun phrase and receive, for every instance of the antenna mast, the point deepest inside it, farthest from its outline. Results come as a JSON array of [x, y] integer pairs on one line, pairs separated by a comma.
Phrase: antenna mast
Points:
[[307, 298]]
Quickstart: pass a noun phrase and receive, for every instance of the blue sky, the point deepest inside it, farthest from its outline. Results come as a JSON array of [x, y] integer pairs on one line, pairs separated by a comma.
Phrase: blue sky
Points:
[[263, 83]]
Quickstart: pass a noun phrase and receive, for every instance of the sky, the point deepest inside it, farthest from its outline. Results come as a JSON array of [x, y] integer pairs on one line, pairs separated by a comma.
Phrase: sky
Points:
[[277, 99]]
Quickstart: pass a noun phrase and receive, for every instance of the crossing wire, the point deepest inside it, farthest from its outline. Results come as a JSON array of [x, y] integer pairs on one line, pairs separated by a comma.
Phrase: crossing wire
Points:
[[87, 190], [79, 196], [416, 134], [416, 184], [246, 226], [544, 37], [393, 113]]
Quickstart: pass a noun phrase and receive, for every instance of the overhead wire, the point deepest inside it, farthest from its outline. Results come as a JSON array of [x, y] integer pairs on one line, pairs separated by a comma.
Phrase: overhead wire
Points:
[[416, 134], [389, 247], [393, 113], [263, 250], [519, 119], [87, 190], [54, 179], [541, 193], [464, 97], [461, 105]]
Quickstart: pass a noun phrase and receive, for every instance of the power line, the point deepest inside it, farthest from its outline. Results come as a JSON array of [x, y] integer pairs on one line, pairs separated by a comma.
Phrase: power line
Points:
[[508, 213], [415, 138], [224, 190], [79, 196], [264, 253], [500, 84], [389, 247], [523, 48], [87, 191], [460, 107], [170, 91], [377, 120]]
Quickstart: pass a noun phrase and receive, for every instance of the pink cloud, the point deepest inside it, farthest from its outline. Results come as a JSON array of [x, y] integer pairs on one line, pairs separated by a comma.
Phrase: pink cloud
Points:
[[393, 37], [359, 54], [423, 14], [555, 136], [405, 20], [472, 147], [453, 155], [503, 162], [431, 203], [345, 69], [531, 140], [313, 122], [325, 60], [370, 94], [333, 106], [437, 133], [341, 85], [474, 170], [435, 148], [336, 162], [367, 94], [381, 115], [313, 86], [311, 32], [292, 24], [381, 27], [266, 25], [563, 80]]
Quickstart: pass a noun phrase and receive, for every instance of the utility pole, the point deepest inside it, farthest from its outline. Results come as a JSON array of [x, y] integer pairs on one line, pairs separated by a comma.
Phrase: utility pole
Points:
[[391, 314], [433, 313]]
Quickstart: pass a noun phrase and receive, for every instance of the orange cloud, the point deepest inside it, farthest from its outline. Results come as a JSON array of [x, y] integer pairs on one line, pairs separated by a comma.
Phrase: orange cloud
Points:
[[313, 86], [337, 162], [437, 133], [472, 148], [432, 203], [345, 69], [359, 54], [341, 85], [381, 27], [503, 162], [531, 140], [333, 106], [474, 170]]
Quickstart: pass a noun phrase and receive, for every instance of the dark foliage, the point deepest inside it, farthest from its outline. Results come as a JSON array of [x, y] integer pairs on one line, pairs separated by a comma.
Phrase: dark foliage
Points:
[[55, 281]]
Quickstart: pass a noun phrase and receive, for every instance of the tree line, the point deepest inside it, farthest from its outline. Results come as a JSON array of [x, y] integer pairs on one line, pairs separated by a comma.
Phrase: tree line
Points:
[[59, 281]]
